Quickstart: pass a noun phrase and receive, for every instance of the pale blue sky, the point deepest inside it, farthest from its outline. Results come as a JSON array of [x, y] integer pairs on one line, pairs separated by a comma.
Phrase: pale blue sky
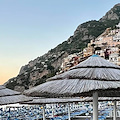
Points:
[[29, 28]]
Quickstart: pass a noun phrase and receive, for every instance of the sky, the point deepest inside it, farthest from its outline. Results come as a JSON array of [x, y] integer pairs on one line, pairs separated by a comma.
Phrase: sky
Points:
[[30, 28]]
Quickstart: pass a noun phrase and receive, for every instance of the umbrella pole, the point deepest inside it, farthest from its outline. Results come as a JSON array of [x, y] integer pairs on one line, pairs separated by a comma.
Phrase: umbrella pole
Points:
[[114, 111], [95, 106], [52, 110], [43, 112], [68, 111]]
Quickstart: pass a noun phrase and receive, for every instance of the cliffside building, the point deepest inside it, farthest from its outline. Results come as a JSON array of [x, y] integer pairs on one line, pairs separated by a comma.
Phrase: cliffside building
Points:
[[106, 45]]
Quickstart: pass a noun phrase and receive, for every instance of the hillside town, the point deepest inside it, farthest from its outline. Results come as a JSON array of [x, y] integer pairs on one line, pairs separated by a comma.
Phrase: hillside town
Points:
[[107, 45]]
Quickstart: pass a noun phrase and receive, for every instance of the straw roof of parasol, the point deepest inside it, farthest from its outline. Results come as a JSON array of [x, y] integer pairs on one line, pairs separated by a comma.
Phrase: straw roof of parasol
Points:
[[93, 74], [90, 99], [8, 96], [38, 100]]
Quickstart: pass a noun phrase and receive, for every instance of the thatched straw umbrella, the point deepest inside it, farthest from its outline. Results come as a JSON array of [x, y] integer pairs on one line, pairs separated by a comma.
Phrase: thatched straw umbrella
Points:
[[90, 99], [43, 101], [8, 96], [37, 100], [92, 77]]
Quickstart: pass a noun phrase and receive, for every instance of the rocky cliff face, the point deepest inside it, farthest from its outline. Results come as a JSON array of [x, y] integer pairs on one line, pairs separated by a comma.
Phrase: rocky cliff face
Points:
[[113, 14], [38, 70]]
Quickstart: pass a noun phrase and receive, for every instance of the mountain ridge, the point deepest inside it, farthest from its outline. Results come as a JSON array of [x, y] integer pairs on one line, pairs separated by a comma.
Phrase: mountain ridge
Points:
[[45, 66]]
